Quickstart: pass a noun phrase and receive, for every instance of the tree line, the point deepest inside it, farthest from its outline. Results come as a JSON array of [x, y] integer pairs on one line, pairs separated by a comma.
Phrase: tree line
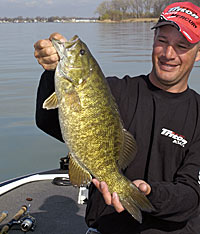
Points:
[[125, 9]]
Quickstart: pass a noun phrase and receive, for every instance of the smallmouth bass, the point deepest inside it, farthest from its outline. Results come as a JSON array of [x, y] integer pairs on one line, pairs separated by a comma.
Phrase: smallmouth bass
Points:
[[91, 125]]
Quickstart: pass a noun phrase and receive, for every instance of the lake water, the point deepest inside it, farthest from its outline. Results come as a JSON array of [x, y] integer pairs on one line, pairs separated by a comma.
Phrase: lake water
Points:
[[120, 49]]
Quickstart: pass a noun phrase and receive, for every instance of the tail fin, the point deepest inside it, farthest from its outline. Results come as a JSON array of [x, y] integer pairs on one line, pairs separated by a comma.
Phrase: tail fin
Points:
[[135, 202]]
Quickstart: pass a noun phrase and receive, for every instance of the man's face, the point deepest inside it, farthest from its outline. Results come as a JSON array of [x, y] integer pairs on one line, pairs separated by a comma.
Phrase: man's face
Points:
[[173, 58]]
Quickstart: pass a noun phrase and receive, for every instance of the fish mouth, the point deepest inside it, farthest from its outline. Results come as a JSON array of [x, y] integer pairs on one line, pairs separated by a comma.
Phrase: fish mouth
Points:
[[72, 41], [68, 43], [60, 46]]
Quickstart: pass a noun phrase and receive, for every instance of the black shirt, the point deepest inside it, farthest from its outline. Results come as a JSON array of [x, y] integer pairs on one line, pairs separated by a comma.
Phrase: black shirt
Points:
[[166, 127]]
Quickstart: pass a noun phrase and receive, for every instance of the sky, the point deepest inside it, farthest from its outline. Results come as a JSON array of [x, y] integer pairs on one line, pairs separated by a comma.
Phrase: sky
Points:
[[46, 8]]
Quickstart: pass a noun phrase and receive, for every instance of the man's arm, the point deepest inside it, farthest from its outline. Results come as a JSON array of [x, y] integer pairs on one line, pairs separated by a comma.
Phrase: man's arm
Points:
[[47, 120], [179, 200], [47, 57]]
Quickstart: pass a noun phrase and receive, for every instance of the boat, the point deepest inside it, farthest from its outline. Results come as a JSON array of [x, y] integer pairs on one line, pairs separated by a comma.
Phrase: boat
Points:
[[47, 201]]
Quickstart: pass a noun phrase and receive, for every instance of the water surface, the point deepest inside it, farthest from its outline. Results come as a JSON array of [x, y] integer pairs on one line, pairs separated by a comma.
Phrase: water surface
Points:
[[120, 49]]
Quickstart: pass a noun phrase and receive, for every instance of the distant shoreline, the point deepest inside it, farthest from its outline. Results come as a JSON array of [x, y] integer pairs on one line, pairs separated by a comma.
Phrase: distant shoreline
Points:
[[74, 20], [145, 20]]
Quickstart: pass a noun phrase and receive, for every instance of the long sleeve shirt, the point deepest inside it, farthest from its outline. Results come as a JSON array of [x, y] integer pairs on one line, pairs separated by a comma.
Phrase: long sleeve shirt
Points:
[[166, 127]]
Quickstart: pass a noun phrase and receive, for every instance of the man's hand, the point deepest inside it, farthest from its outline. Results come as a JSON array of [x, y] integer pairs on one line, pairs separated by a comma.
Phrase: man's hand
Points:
[[46, 54], [113, 199]]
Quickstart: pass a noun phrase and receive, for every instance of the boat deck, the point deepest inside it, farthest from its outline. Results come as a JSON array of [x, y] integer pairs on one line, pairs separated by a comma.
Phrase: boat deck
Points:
[[55, 208]]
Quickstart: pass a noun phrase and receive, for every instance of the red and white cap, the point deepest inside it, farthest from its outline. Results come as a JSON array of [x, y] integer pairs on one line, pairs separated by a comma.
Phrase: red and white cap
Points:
[[185, 16]]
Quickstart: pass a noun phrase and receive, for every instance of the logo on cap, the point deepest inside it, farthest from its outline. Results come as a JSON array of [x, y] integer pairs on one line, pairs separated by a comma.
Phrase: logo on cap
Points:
[[184, 10]]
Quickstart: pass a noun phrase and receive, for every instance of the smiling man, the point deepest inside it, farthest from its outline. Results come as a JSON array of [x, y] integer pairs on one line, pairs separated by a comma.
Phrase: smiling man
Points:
[[163, 114], [173, 55]]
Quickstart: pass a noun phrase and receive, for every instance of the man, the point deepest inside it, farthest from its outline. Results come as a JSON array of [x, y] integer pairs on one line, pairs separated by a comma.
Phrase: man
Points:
[[163, 114]]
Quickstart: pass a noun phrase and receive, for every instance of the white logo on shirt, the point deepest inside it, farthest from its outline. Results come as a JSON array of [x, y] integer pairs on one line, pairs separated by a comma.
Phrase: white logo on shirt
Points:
[[177, 139]]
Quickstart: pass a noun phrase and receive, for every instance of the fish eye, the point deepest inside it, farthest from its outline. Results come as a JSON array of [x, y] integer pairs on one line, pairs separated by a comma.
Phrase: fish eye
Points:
[[82, 52]]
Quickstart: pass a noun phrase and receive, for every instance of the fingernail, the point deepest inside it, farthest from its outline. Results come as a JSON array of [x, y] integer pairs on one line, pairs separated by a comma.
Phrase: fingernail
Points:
[[63, 40], [102, 185], [114, 195]]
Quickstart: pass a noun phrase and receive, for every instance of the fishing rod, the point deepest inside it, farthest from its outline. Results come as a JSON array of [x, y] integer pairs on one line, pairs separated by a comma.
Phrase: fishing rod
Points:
[[14, 220], [22, 218]]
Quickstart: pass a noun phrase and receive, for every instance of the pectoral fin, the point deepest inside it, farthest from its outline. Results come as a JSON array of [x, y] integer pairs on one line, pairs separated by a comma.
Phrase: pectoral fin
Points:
[[51, 102], [129, 150], [77, 174]]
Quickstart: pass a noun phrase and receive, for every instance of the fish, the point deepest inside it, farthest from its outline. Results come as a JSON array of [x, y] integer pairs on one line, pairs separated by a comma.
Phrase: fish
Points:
[[91, 125]]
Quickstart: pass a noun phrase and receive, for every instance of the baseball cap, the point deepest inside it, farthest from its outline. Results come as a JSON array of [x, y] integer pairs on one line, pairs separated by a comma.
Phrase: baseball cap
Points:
[[185, 16]]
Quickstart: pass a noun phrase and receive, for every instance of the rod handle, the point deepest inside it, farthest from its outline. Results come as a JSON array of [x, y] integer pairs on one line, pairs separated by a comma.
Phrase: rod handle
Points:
[[4, 214], [20, 213]]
